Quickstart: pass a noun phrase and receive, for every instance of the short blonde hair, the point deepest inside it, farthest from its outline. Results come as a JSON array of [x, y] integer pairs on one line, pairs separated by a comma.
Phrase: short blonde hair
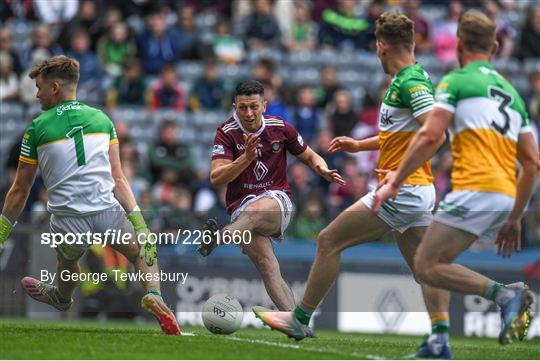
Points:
[[58, 67], [476, 32], [395, 30]]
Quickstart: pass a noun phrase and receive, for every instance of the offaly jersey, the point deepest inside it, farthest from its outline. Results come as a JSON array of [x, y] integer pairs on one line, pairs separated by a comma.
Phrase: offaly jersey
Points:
[[70, 143], [409, 95], [269, 170], [489, 115]]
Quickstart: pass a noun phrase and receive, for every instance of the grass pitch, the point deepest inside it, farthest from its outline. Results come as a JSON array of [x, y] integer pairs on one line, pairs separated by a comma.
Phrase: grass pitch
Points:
[[23, 339]]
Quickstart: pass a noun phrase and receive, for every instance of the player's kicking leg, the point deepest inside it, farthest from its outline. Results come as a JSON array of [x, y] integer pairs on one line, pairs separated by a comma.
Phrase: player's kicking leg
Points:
[[433, 264], [57, 296], [152, 302], [356, 225], [437, 301]]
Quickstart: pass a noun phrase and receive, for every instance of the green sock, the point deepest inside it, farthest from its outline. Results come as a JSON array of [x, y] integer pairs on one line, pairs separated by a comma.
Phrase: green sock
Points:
[[153, 291], [440, 327], [302, 314], [59, 297], [492, 290]]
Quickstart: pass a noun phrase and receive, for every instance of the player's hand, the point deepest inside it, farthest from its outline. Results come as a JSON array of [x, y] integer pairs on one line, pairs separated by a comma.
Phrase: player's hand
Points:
[[251, 141], [343, 144], [509, 238], [386, 189], [5, 229], [148, 249], [330, 175]]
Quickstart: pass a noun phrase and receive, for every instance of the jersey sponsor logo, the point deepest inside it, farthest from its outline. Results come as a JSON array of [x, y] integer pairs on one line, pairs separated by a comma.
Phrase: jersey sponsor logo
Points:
[[62, 108], [252, 186], [260, 170], [276, 146], [386, 119], [218, 149], [418, 88]]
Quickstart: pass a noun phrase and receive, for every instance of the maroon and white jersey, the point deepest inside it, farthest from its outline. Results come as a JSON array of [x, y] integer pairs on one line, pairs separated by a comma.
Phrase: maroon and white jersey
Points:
[[269, 170]]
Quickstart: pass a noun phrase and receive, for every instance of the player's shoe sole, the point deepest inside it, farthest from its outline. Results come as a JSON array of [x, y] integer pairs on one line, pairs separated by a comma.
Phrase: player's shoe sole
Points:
[[44, 292], [210, 227], [515, 325], [284, 322], [525, 320], [154, 305]]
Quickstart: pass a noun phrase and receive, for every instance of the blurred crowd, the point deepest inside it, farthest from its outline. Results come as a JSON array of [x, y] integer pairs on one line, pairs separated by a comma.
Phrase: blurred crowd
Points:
[[132, 53]]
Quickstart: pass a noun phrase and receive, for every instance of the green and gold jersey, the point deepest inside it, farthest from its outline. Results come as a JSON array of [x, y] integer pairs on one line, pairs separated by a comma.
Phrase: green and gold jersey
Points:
[[489, 115], [70, 143], [409, 96]]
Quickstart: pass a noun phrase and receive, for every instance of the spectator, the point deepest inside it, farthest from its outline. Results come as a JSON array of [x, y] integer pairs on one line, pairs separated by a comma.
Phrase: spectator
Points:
[[115, 47], [167, 92], [529, 45], [343, 117], [170, 154], [275, 106], [302, 34], [445, 34], [186, 34], [6, 46], [89, 18], [260, 28], [91, 76], [264, 70], [137, 184], [177, 214], [27, 86], [305, 117], [227, 48], [129, 87], [505, 33], [9, 82], [208, 91], [299, 183], [41, 41], [328, 86], [157, 45], [55, 11], [422, 28], [342, 28], [375, 9], [310, 221]]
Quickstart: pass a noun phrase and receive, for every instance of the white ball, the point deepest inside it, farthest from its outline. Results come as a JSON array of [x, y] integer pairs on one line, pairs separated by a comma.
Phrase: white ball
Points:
[[222, 314]]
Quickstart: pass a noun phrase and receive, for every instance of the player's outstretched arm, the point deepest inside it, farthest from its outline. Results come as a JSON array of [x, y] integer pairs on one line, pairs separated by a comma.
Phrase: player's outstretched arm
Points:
[[348, 144], [16, 198], [124, 195], [422, 147], [509, 237], [319, 166]]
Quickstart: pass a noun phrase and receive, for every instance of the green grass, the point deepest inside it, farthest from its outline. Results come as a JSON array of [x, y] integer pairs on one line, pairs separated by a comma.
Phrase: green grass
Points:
[[23, 339]]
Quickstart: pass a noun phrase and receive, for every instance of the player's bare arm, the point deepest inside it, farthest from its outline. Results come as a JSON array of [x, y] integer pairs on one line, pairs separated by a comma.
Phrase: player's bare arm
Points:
[[422, 147], [348, 144], [16, 198], [319, 166], [224, 171], [509, 237]]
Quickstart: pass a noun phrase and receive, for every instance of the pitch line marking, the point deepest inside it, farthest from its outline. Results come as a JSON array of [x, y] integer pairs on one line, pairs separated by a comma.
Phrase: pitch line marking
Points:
[[312, 349]]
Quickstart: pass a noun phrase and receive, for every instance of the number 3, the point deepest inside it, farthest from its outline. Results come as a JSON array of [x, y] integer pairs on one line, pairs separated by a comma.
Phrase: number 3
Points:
[[507, 99]]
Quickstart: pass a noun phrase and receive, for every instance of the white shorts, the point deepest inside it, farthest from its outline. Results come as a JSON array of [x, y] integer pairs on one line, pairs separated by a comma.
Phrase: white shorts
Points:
[[413, 207], [285, 205], [110, 219], [479, 213]]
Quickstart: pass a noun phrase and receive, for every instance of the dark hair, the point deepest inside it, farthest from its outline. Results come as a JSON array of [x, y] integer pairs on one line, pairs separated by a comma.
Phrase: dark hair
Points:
[[249, 87]]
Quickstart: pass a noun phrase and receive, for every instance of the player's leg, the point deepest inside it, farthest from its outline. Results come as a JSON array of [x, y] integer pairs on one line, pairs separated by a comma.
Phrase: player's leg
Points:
[[260, 251], [356, 225], [433, 264], [437, 300]]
